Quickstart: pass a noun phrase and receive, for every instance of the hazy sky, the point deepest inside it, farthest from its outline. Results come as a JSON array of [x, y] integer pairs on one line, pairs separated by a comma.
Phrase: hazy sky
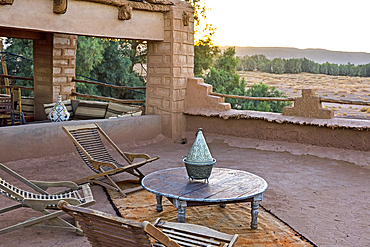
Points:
[[339, 25]]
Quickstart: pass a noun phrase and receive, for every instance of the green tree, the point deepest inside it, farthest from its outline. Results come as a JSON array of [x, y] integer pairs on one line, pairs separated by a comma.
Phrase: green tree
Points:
[[278, 66], [293, 66], [251, 64], [263, 90], [333, 69], [224, 78], [227, 61], [117, 69], [205, 51], [20, 64]]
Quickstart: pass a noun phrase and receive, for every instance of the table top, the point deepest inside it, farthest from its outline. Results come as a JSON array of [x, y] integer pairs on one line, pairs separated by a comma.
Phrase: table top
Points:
[[224, 185]]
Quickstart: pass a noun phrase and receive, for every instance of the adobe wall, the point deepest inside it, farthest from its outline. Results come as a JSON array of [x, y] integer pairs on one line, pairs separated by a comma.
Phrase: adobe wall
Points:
[[305, 123], [343, 138], [170, 63], [49, 139], [82, 18]]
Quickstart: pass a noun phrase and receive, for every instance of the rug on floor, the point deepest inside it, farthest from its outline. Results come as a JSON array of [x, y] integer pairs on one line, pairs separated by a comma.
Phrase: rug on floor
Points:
[[234, 219]]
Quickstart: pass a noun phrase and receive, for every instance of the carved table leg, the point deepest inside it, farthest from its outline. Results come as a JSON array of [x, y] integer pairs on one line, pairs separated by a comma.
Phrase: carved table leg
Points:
[[181, 206], [254, 212], [159, 203]]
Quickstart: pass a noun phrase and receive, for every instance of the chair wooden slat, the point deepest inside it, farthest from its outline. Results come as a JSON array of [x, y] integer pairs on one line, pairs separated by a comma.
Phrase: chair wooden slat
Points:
[[179, 235], [104, 229], [88, 140]]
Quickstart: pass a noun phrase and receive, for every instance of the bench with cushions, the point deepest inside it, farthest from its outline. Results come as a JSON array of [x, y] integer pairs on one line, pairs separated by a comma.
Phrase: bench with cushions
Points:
[[84, 109]]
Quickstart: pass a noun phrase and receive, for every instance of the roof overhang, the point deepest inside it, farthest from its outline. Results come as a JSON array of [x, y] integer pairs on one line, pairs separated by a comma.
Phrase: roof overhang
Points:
[[81, 18]]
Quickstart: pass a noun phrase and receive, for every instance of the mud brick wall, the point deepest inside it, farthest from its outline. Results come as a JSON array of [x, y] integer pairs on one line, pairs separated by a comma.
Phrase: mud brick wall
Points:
[[170, 63], [54, 67]]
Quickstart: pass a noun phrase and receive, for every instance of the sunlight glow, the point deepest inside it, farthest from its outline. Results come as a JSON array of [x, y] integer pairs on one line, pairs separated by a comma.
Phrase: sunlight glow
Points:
[[327, 24]]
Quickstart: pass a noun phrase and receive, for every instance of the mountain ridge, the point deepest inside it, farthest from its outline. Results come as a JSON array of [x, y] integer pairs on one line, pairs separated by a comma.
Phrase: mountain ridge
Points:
[[315, 54]]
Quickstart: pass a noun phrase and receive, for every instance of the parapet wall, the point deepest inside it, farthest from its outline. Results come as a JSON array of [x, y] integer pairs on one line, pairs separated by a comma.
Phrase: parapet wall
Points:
[[305, 123], [335, 133], [48, 139]]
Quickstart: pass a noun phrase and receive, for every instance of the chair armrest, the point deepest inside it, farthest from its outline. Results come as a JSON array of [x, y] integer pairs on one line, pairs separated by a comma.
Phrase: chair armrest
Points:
[[97, 164], [45, 185], [158, 235], [132, 156]]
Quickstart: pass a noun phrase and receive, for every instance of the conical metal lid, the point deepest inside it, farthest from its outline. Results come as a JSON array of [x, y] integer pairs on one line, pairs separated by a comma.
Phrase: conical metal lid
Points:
[[199, 152]]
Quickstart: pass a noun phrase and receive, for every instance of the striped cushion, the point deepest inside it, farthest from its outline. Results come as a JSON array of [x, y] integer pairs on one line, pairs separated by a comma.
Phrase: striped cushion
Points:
[[48, 107], [115, 109], [90, 110], [28, 106]]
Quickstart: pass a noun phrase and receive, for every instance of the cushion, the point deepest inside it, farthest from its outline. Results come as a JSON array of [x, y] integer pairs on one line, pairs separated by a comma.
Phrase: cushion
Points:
[[28, 106], [90, 110], [130, 114], [48, 107], [115, 109]]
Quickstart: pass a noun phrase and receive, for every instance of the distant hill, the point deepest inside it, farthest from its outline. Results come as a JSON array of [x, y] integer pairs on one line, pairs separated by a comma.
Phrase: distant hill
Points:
[[317, 55]]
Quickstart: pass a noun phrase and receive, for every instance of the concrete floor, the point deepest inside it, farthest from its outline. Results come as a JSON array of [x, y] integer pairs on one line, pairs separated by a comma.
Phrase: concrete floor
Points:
[[311, 188]]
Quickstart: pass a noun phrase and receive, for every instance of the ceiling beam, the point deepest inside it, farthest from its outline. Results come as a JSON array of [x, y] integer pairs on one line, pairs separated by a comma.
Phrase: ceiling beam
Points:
[[20, 33]]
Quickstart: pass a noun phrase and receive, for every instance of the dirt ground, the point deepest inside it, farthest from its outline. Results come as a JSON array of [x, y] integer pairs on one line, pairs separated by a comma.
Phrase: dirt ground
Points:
[[323, 198], [326, 86]]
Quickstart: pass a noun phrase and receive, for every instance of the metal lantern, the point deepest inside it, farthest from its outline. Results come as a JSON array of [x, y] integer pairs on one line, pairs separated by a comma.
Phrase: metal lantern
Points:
[[199, 162]]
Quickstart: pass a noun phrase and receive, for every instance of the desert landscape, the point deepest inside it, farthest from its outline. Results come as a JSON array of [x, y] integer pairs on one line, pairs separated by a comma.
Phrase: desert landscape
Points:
[[333, 87]]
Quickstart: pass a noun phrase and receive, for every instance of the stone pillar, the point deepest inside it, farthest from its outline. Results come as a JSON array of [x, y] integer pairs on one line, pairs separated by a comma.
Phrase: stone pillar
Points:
[[54, 67], [170, 63], [64, 65]]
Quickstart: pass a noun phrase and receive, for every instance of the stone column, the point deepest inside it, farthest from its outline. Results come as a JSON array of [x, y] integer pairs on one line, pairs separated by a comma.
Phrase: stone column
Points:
[[54, 67], [170, 63]]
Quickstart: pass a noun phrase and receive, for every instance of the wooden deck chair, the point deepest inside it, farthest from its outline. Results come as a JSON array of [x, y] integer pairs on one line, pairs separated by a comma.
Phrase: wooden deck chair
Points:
[[6, 107], [88, 141], [103, 229], [42, 200], [17, 116]]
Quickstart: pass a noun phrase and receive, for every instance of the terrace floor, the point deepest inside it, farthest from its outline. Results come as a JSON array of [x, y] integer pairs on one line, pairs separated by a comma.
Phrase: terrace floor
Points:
[[324, 199]]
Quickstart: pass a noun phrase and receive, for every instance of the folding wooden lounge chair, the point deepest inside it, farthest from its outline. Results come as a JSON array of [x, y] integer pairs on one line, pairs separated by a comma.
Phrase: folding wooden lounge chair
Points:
[[103, 229], [87, 139], [42, 200]]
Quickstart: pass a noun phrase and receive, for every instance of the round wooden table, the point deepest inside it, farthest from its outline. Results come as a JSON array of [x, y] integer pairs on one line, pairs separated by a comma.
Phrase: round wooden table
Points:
[[225, 186]]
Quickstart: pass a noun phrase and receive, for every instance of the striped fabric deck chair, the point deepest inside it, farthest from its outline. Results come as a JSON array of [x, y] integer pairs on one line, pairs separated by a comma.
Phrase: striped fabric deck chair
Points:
[[103, 229], [42, 201], [88, 139]]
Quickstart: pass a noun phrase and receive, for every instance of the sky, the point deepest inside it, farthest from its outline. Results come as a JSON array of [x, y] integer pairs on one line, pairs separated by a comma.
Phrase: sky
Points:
[[340, 25]]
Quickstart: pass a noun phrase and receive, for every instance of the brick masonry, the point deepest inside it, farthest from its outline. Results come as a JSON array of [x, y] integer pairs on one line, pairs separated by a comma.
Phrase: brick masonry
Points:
[[54, 68], [170, 63]]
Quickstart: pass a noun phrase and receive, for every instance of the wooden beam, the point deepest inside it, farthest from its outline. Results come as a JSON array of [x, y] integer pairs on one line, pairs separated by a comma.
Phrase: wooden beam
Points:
[[60, 6], [124, 12], [5, 69], [17, 77], [16, 87], [20, 33], [122, 101], [252, 98], [344, 101], [107, 85], [151, 5], [6, 2]]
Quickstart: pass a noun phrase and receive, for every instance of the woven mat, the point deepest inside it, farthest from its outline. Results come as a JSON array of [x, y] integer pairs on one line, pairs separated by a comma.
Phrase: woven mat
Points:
[[234, 219]]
